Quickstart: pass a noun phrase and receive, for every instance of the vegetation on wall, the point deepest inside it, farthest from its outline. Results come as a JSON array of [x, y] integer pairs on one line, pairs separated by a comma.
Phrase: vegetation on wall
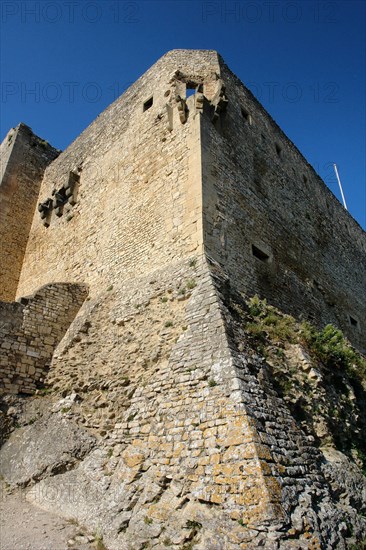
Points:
[[327, 392]]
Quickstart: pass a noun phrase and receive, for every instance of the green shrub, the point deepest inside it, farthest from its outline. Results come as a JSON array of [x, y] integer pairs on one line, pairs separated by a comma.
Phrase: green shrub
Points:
[[257, 307], [328, 345], [340, 403], [191, 283], [193, 525], [269, 323], [333, 349]]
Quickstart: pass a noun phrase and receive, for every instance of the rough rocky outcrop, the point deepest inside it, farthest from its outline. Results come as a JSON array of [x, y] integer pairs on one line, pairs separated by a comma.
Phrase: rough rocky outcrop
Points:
[[346, 480], [49, 446]]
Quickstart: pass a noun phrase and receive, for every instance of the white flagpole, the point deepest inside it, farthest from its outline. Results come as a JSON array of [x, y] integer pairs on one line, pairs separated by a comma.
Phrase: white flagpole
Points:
[[340, 186]]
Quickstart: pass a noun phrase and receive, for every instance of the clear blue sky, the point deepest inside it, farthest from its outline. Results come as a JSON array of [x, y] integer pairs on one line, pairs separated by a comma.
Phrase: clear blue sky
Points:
[[64, 61]]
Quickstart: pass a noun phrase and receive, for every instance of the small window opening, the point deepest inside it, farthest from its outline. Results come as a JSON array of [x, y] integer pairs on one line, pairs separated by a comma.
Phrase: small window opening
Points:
[[278, 150], [353, 321], [148, 103], [246, 116], [304, 178], [260, 254], [190, 91]]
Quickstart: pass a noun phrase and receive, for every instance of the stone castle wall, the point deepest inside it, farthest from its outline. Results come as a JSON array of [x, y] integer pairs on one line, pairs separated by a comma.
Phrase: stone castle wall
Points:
[[146, 185], [273, 225], [138, 195], [23, 158], [165, 209], [31, 330], [131, 200], [197, 447]]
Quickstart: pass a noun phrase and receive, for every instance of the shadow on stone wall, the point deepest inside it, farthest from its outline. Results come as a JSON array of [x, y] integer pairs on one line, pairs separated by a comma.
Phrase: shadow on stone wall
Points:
[[30, 330]]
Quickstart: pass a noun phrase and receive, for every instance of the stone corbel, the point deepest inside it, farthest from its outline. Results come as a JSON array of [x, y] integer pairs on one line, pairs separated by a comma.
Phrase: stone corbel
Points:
[[182, 109], [199, 98], [44, 209], [177, 75], [219, 101]]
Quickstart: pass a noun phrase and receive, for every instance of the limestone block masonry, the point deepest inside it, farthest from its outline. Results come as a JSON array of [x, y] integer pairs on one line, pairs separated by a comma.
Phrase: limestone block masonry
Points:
[[272, 223], [167, 212], [157, 177], [23, 159], [196, 449], [30, 331]]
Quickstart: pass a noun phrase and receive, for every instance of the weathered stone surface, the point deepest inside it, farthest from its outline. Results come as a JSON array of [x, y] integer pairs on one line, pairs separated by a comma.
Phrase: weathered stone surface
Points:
[[26, 344], [224, 179], [23, 159], [348, 488], [182, 208], [49, 446], [201, 450]]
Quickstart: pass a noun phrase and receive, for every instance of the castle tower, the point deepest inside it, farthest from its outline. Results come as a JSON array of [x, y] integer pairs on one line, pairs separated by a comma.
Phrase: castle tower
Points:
[[158, 177], [178, 203], [23, 159]]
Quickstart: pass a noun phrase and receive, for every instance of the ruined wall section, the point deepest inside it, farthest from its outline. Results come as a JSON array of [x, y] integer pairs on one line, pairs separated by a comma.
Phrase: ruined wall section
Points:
[[272, 223], [157, 383], [23, 159], [138, 193], [196, 447], [30, 331]]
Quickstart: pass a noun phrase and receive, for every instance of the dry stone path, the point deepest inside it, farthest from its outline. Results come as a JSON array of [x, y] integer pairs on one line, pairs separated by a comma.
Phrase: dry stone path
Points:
[[26, 527]]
